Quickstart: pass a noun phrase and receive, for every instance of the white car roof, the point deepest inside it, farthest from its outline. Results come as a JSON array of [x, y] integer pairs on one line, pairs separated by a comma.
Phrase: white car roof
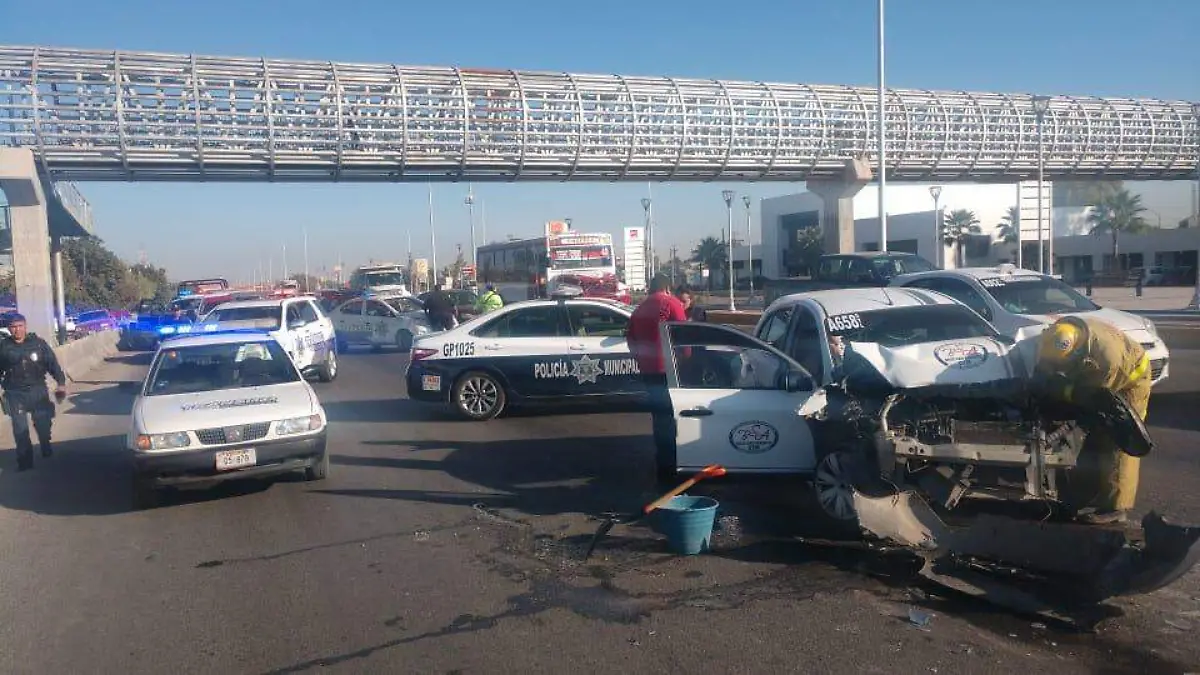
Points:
[[275, 302], [973, 273], [850, 300], [218, 338]]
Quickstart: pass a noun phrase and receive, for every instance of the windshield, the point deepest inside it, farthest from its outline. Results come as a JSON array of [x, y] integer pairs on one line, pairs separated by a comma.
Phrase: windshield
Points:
[[887, 268], [189, 370], [384, 279], [93, 316], [403, 305], [1036, 295], [580, 257], [185, 304], [264, 318], [902, 326]]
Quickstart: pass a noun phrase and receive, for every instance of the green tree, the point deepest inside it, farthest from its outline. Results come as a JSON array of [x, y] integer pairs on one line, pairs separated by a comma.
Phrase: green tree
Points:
[[94, 276], [1117, 212], [152, 283], [711, 254], [956, 227], [1010, 225]]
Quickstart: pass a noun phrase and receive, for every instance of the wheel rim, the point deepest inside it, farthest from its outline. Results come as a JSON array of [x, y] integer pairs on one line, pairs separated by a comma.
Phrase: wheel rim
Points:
[[479, 396], [332, 364], [835, 493]]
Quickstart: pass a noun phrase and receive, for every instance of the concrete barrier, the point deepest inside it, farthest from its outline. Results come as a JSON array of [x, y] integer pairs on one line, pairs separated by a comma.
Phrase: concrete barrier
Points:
[[80, 356]]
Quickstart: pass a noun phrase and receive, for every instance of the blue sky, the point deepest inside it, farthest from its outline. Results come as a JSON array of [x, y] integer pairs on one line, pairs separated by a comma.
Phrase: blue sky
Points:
[[1097, 47]]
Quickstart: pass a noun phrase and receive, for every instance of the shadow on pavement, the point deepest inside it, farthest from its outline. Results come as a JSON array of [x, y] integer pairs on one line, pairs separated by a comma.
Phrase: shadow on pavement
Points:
[[86, 477], [114, 399], [385, 410], [131, 358]]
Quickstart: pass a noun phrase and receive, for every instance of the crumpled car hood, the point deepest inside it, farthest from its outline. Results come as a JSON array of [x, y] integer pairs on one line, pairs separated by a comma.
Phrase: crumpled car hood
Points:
[[968, 361]]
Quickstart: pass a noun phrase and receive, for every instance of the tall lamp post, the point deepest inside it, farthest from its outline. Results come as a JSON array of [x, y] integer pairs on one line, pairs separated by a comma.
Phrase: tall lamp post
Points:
[[470, 202], [306, 289], [936, 192], [647, 252], [728, 195], [432, 240], [1041, 104], [1195, 304], [882, 133], [749, 245]]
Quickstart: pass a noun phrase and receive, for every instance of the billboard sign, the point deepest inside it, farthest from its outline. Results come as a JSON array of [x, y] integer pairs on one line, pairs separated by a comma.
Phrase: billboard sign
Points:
[[635, 258]]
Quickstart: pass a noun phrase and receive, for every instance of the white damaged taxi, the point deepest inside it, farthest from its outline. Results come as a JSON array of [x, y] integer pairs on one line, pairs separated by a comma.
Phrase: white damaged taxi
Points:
[[220, 406]]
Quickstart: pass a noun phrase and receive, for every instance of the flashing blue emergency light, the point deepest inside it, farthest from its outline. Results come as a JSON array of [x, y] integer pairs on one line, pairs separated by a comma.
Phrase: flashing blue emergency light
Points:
[[185, 292]]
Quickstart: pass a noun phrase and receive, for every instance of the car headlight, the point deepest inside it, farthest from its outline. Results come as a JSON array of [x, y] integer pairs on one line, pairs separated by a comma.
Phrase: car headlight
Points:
[[298, 425], [179, 439], [1152, 329]]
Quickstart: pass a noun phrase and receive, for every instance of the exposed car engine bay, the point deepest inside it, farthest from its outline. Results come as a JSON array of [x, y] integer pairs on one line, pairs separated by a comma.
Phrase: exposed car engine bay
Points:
[[983, 481]]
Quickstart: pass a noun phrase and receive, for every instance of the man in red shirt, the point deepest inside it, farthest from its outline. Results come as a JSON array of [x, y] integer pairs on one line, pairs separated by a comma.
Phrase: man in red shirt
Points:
[[645, 345]]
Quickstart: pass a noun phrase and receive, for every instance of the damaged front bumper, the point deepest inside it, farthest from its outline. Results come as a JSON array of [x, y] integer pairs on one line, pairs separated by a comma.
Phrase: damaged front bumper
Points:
[[1014, 562]]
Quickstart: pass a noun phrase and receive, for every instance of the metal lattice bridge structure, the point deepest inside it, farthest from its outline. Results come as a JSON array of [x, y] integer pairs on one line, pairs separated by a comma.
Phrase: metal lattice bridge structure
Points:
[[105, 115]]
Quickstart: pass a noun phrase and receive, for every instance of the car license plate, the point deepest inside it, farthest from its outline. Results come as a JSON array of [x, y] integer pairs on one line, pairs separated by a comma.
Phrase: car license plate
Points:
[[431, 382], [236, 459]]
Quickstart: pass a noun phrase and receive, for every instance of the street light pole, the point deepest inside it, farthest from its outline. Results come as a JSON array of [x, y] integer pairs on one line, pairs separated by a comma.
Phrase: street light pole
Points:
[[470, 202], [1040, 105], [936, 192], [728, 195], [882, 130], [749, 244], [674, 257], [1195, 304], [305, 230], [432, 238], [646, 251]]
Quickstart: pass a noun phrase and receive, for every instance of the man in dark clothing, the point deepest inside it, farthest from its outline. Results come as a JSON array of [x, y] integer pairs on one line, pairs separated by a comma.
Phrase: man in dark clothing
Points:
[[645, 345], [25, 361], [440, 309], [693, 311]]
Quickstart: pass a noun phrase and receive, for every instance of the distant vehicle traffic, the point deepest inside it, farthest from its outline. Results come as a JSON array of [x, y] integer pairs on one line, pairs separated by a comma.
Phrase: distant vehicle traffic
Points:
[[530, 268], [379, 321], [200, 286], [851, 270], [381, 278]]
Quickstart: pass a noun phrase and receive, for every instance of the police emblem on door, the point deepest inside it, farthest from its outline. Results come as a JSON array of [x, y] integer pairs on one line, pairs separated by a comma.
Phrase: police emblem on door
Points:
[[753, 438]]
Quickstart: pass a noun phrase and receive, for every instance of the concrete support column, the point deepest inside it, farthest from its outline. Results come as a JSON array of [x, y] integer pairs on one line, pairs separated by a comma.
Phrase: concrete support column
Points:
[[60, 292], [30, 231], [837, 209]]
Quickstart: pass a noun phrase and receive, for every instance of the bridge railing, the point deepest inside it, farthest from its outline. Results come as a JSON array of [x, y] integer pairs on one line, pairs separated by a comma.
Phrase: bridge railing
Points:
[[145, 116]]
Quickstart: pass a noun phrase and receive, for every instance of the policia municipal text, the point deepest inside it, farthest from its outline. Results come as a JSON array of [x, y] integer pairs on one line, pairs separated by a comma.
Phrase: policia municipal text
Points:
[[25, 361]]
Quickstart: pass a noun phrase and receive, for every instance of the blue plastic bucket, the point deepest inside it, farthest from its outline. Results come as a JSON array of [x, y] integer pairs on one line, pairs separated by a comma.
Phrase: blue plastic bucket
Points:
[[687, 523]]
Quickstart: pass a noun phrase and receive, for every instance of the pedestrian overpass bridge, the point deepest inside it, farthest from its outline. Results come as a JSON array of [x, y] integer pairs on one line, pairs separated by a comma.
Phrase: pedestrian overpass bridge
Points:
[[133, 116]]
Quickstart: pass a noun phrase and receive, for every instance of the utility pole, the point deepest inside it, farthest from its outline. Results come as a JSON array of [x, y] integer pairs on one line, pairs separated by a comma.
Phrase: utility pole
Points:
[[674, 258]]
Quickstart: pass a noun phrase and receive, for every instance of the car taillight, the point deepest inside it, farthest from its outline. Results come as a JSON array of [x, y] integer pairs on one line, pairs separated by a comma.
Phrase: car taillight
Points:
[[419, 353]]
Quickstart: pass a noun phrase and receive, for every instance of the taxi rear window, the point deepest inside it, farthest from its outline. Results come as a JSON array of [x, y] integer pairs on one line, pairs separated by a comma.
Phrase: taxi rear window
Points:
[[901, 326]]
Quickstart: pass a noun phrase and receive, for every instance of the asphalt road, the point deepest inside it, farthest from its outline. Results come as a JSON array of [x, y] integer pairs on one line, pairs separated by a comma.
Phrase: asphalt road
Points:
[[453, 547]]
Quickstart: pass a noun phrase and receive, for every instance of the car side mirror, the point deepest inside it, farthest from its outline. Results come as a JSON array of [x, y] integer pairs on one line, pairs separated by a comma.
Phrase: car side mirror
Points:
[[796, 380], [296, 323]]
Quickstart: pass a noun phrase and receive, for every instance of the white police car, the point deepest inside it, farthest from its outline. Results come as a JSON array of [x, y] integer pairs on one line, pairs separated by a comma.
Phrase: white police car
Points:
[[297, 323], [379, 320], [218, 406], [1021, 303], [537, 351]]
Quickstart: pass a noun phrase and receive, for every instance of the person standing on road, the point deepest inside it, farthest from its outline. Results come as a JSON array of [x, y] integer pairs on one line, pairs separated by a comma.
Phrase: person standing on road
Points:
[[1079, 359], [646, 347], [440, 309], [693, 311], [25, 361], [490, 301]]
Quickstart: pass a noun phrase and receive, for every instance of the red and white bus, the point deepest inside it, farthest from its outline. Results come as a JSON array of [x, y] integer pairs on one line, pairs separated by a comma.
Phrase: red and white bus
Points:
[[530, 268]]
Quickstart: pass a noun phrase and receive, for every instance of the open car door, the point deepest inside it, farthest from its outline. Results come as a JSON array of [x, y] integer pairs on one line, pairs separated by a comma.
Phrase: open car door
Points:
[[735, 401]]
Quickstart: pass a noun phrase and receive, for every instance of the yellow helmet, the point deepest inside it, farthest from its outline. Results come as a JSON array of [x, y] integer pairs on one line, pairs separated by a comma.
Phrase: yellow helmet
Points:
[[1062, 342]]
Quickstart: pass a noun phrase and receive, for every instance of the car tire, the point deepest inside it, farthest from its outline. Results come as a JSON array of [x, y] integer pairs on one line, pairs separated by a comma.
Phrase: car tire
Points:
[[328, 371], [833, 486], [404, 340], [319, 470], [478, 396], [144, 494]]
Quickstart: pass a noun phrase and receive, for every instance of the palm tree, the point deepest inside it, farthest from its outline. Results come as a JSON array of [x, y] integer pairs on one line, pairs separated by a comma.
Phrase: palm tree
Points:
[[1010, 226], [710, 253], [956, 228], [1117, 212]]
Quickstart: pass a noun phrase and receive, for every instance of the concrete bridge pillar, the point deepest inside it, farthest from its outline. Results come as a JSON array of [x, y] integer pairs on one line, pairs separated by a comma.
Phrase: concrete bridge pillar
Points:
[[30, 231], [837, 208], [60, 291]]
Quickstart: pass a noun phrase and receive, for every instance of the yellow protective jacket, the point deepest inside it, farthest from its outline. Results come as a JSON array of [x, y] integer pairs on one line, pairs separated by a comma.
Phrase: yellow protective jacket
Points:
[[489, 302], [1111, 359]]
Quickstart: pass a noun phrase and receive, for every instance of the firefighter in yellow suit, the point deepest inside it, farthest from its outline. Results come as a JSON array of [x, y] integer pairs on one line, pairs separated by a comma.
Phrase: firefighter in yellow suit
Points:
[[1085, 354]]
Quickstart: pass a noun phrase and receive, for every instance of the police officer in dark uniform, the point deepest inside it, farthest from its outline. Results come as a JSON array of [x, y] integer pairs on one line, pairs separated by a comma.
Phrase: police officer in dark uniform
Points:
[[25, 361]]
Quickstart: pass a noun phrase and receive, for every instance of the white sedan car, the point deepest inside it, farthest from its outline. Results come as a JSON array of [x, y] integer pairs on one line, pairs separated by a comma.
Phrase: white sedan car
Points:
[[380, 321], [221, 406], [1021, 303], [297, 323]]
